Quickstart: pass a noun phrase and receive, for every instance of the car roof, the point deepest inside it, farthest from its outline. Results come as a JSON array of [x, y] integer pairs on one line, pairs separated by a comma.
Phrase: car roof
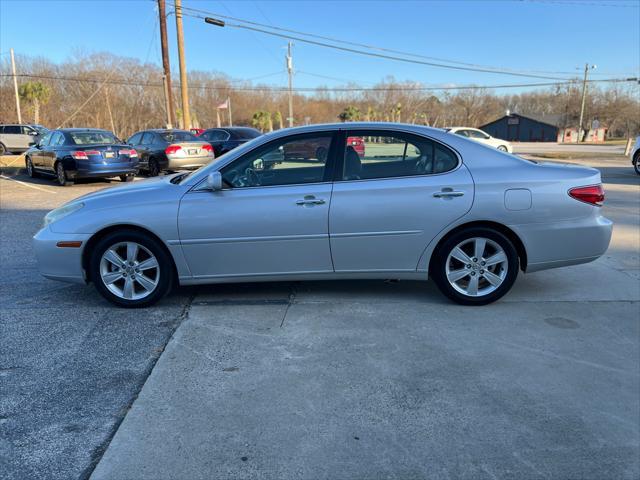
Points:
[[70, 130]]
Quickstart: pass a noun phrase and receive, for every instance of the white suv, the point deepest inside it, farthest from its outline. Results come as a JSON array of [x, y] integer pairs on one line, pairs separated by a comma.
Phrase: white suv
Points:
[[482, 137], [15, 138]]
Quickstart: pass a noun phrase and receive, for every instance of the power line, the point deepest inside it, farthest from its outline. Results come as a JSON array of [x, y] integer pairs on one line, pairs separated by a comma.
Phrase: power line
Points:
[[107, 81]]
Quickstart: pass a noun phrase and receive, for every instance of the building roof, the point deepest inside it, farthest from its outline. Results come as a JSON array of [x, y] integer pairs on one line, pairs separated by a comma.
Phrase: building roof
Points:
[[553, 120]]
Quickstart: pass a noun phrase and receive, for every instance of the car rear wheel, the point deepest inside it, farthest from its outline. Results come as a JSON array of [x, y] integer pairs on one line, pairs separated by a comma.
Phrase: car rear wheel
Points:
[[636, 163], [131, 269], [61, 175], [475, 266], [502, 148], [126, 178], [154, 168], [30, 170]]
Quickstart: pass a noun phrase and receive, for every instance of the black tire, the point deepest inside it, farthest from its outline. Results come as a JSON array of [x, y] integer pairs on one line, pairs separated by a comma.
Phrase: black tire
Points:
[[636, 162], [440, 256], [126, 178], [502, 148], [3, 149], [165, 266], [154, 167], [30, 170], [61, 175]]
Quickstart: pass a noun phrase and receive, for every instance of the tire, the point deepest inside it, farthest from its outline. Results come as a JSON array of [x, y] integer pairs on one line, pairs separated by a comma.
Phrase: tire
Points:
[[30, 170], [636, 163], [126, 178], [61, 175], [3, 149], [456, 279], [154, 167], [502, 148], [140, 293]]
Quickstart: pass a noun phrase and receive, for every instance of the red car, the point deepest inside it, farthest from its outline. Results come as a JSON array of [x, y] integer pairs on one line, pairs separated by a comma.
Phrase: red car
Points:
[[197, 131], [358, 145], [317, 150]]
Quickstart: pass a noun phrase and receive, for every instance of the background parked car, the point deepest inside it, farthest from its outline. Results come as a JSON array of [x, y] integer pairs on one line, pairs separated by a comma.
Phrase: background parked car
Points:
[[17, 138], [227, 138], [73, 153], [197, 131], [168, 150], [482, 137], [635, 156]]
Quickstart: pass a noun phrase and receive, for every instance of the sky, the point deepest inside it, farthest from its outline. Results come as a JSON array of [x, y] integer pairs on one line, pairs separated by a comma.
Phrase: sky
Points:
[[541, 35]]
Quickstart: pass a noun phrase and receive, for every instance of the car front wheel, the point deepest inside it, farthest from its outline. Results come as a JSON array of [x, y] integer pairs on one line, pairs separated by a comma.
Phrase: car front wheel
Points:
[[475, 266], [502, 148], [636, 163], [30, 170], [131, 269]]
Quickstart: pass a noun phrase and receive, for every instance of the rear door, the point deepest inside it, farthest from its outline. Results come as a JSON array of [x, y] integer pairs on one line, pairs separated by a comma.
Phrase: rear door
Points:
[[389, 204]]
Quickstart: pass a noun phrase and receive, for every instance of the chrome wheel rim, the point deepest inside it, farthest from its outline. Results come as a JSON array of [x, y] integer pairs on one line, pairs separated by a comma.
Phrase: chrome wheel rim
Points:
[[129, 270], [476, 267], [29, 167], [61, 176]]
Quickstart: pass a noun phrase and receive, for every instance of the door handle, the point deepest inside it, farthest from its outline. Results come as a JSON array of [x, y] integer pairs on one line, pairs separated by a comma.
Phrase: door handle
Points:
[[448, 194], [310, 200]]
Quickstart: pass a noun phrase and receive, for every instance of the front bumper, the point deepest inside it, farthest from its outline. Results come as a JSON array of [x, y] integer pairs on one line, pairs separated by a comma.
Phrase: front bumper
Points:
[[59, 263]]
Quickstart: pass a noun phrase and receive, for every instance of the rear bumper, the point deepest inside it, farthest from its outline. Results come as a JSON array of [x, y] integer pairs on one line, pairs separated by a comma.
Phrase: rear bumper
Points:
[[97, 173], [59, 263], [565, 243], [187, 163]]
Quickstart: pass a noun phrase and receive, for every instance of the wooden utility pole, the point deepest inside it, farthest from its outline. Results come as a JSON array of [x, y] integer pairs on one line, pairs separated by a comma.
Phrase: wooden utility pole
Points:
[[166, 67], [584, 97], [186, 115], [15, 85], [290, 72]]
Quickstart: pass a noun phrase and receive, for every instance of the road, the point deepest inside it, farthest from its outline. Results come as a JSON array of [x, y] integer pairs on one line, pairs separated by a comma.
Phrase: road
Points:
[[321, 379]]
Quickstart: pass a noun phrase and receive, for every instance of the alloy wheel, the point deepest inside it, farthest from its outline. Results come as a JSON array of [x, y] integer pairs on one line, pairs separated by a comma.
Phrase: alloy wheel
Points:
[[29, 167], [62, 177], [476, 267], [129, 270]]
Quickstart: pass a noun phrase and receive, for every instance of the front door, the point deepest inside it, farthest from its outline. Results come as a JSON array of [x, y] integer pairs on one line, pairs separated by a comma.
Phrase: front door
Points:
[[391, 201], [271, 218]]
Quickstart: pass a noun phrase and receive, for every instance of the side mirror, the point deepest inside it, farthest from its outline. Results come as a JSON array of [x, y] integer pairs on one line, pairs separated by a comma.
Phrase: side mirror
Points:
[[33, 133], [214, 181]]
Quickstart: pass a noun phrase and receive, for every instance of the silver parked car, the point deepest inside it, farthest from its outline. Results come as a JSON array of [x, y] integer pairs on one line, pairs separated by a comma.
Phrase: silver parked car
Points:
[[17, 138], [419, 203]]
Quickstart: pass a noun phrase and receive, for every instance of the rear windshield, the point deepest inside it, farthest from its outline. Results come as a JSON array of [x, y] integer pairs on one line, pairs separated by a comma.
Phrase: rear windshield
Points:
[[178, 137], [244, 133], [93, 138]]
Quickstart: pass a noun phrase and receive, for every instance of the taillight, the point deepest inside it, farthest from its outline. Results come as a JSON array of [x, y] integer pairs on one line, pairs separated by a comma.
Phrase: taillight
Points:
[[592, 194], [172, 149], [207, 147], [84, 154], [130, 152]]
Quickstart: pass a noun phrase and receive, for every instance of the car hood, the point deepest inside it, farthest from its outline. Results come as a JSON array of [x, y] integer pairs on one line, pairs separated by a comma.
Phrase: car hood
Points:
[[133, 189]]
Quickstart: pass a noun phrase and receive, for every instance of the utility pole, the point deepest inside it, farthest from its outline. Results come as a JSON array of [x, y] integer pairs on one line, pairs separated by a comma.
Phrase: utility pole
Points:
[[584, 97], [164, 46], [15, 85], [290, 72], [186, 115]]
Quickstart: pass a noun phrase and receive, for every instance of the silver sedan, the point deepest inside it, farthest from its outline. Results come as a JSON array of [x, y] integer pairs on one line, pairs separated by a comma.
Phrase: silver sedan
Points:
[[381, 201]]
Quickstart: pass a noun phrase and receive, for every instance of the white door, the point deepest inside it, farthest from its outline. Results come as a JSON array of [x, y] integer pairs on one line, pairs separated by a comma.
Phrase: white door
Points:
[[271, 218], [393, 199]]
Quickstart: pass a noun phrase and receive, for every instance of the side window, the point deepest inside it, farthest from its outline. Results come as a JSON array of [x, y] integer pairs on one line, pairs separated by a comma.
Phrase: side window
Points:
[[477, 134], [147, 138], [216, 136], [462, 133], [287, 161], [379, 154], [1, 128], [45, 140], [56, 139], [12, 129], [135, 139]]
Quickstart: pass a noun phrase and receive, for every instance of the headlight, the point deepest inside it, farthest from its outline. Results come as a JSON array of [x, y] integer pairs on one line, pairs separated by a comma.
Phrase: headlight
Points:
[[59, 213]]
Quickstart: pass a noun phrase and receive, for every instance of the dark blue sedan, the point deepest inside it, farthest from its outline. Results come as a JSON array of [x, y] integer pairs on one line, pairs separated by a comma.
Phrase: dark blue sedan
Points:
[[227, 138], [72, 153]]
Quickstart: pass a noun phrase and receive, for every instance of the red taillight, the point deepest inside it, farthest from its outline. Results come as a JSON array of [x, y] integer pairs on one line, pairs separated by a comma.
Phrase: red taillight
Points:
[[172, 149], [79, 155], [130, 152], [207, 147], [592, 194]]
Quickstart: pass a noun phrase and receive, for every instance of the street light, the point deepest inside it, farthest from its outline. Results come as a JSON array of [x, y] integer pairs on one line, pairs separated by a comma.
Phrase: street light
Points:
[[214, 21]]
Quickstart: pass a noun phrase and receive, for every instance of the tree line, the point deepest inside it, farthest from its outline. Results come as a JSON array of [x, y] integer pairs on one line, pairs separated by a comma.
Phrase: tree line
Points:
[[125, 95]]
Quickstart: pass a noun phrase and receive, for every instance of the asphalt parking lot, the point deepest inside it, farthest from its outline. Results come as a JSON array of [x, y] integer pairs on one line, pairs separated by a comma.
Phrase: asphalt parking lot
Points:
[[321, 380]]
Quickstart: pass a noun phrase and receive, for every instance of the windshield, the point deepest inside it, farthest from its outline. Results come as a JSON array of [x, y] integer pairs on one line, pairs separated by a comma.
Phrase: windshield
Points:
[[93, 138], [178, 136]]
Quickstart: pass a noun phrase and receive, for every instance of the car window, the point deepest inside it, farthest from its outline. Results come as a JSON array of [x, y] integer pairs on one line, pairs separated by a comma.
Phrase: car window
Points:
[[147, 138], [178, 136], [134, 139], [244, 133], [215, 135], [380, 154], [12, 129], [93, 137], [286, 161], [477, 134], [462, 133], [56, 139], [45, 140]]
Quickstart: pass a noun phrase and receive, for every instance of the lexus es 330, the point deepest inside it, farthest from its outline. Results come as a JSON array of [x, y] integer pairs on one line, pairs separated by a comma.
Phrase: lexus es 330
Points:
[[418, 203]]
